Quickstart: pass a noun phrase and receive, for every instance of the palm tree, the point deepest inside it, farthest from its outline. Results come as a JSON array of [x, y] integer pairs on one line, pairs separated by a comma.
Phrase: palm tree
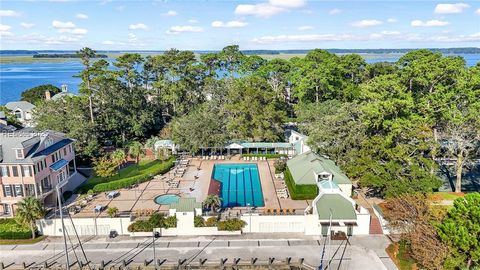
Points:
[[135, 150], [212, 202], [118, 157], [28, 211]]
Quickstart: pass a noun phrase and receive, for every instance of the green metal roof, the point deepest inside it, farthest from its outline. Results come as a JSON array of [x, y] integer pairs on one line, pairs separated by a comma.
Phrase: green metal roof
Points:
[[303, 168], [341, 208], [186, 205], [266, 145]]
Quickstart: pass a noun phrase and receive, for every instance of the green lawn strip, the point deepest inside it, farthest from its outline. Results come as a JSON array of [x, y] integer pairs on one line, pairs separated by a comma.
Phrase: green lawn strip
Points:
[[133, 174], [299, 192], [23, 241], [448, 196], [10, 229]]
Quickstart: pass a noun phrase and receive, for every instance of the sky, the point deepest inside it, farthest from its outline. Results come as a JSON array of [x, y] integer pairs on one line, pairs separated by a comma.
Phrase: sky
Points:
[[211, 25]]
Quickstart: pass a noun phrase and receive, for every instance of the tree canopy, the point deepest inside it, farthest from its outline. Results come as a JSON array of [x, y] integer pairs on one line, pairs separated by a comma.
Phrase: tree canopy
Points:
[[37, 94]]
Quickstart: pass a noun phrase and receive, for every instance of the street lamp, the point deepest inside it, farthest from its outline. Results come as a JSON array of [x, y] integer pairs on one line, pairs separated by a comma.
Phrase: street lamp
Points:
[[250, 217]]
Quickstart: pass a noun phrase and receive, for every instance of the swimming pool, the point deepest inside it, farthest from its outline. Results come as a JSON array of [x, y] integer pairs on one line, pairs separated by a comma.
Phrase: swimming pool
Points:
[[240, 184], [166, 199]]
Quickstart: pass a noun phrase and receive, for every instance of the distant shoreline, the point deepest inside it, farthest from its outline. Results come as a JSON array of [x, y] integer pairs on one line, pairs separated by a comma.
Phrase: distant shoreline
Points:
[[466, 50]]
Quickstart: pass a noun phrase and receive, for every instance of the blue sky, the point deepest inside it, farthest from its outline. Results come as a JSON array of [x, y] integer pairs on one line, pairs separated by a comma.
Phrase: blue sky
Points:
[[211, 25]]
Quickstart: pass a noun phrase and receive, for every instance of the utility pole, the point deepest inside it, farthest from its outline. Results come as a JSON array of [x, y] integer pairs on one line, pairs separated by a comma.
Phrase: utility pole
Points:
[[63, 226], [154, 254]]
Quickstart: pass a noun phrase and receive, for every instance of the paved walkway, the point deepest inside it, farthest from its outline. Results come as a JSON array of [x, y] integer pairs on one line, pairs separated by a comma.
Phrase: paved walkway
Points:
[[360, 253]]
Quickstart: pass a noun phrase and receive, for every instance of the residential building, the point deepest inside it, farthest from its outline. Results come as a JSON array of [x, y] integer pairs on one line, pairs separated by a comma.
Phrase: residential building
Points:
[[22, 111], [32, 164], [299, 141]]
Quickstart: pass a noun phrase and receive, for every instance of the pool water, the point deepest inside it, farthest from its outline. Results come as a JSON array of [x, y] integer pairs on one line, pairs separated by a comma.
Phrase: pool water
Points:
[[240, 184], [166, 199]]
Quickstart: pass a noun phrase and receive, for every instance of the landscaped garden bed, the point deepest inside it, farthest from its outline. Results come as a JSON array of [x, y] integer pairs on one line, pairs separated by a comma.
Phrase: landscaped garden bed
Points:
[[299, 192], [11, 230], [134, 174]]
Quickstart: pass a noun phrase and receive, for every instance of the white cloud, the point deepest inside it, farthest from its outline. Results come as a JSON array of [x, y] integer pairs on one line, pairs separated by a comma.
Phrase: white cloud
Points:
[[63, 25], [230, 24], [27, 25], [138, 26], [170, 13], [477, 11], [8, 13], [192, 21], [269, 9], [4, 28], [334, 11], [68, 27], [287, 3], [366, 23], [177, 29], [392, 20], [430, 23], [108, 42], [81, 16], [305, 27], [450, 8], [258, 10]]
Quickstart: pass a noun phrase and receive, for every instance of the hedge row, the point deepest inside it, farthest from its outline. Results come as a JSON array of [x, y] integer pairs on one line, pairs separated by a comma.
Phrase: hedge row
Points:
[[10, 229], [265, 155], [146, 175], [299, 192]]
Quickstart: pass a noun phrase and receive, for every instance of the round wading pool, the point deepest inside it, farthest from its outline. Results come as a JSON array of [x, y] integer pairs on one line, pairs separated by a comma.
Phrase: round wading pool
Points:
[[166, 199]]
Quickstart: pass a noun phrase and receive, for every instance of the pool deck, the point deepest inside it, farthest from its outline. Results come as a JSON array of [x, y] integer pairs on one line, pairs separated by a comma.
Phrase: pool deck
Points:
[[194, 183]]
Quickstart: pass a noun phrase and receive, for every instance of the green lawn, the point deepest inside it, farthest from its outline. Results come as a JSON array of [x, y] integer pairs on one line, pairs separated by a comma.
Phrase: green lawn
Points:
[[133, 174], [10, 229], [299, 192], [399, 254]]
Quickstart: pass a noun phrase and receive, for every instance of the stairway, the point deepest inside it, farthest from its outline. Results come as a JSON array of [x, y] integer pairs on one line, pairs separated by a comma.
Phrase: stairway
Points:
[[375, 226]]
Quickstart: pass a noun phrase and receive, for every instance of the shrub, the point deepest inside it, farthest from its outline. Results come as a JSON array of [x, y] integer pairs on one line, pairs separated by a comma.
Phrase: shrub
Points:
[[156, 220], [233, 224], [299, 192], [10, 229], [112, 212], [198, 221], [280, 165], [170, 222], [211, 222], [265, 155]]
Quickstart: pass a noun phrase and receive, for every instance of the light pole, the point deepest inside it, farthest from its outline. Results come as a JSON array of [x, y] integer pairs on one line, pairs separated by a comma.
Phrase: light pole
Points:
[[154, 254], [63, 226], [250, 217]]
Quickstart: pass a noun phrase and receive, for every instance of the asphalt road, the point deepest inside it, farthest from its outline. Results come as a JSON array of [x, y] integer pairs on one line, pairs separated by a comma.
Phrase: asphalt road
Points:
[[359, 253]]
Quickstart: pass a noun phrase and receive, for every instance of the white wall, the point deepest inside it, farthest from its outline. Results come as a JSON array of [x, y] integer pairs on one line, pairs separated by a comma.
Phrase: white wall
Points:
[[346, 189], [197, 231], [270, 224], [84, 226]]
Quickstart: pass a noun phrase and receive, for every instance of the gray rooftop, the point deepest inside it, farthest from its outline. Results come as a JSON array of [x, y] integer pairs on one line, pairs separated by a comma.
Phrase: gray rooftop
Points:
[[23, 105], [32, 142]]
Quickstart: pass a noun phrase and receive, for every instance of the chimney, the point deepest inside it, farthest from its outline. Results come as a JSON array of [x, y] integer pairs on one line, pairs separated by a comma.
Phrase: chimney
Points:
[[64, 88], [48, 95]]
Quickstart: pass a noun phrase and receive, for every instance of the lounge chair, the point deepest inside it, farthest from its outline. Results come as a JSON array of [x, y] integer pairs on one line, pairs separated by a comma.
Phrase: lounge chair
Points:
[[275, 211]]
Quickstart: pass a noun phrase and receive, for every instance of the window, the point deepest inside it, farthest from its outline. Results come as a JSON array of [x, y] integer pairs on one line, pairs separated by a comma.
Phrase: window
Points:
[[48, 142], [18, 114], [15, 171], [61, 176], [46, 183], [30, 190], [54, 158], [6, 208], [5, 172], [7, 191], [44, 164], [19, 153], [26, 171], [18, 191]]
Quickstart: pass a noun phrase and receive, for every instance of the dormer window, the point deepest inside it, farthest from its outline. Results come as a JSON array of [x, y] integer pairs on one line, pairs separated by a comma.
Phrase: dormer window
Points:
[[323, 176], [48, 142], [19, 153]]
